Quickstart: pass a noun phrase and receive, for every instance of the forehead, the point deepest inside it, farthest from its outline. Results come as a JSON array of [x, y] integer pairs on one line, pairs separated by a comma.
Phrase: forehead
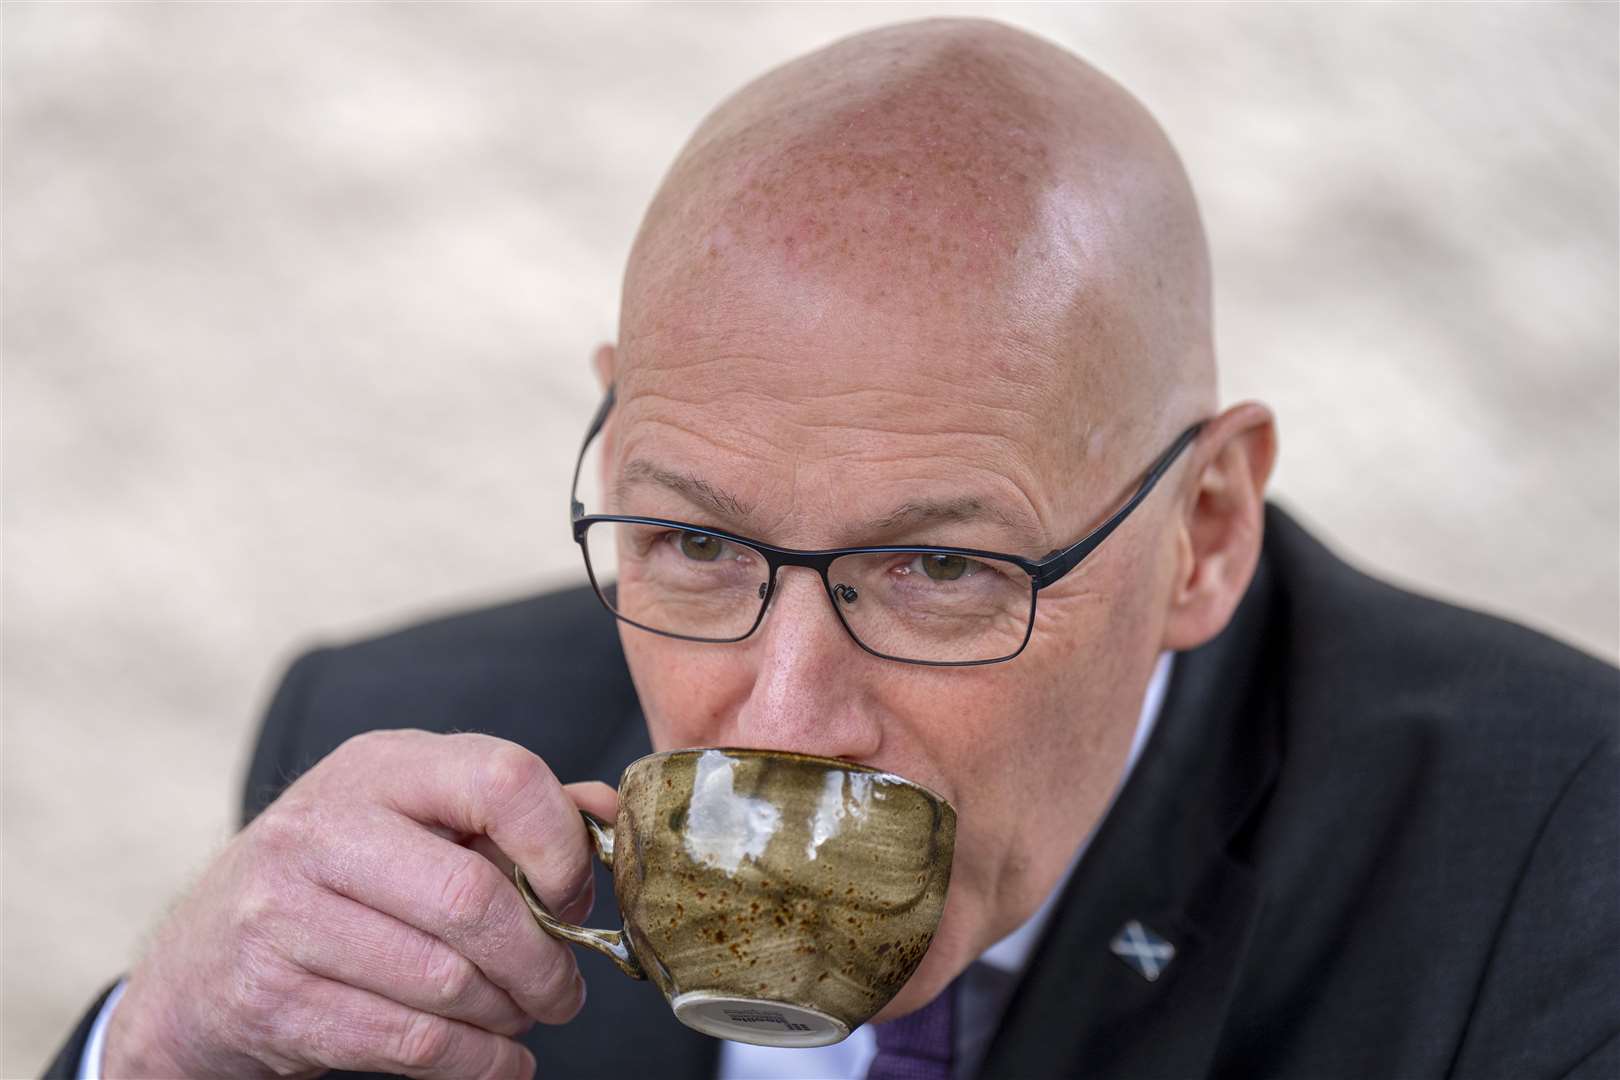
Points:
[[811, 431], [784, 312], [834, 364]]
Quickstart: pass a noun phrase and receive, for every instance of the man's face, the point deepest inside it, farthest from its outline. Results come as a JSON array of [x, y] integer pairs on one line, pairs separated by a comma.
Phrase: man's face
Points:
[[808, 410]]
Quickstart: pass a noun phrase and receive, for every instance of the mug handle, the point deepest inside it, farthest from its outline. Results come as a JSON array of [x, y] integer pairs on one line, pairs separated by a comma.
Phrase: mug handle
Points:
[[610, 943]]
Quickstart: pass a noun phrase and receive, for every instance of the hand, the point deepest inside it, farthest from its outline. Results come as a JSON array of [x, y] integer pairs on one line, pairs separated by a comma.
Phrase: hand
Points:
[[367, 920]]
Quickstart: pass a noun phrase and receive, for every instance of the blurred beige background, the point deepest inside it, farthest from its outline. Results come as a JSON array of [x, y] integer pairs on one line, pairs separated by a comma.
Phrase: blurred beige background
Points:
[[299, 300]]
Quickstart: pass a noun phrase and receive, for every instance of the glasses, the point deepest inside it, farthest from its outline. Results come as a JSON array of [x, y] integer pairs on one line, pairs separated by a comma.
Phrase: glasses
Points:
[[938, 606]]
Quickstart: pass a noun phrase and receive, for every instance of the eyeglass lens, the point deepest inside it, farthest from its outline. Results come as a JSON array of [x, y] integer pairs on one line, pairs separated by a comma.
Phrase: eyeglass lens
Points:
[[910, 605]]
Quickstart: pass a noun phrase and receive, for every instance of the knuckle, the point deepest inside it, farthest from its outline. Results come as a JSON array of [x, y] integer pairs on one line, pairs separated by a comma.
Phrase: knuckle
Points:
[[264, 908], [367, 746], [424, 1041], [262, 986], [283, 826], [358, 744], [512, 774], [355, 746], [470, 891], [257, 912], [284, 843], [449, 976], [293, 827], [338, 1031], [521, 792]]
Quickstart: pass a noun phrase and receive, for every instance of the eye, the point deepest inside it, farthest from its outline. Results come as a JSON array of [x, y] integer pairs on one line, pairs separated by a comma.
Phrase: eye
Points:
[[701, 548], [947, 567]]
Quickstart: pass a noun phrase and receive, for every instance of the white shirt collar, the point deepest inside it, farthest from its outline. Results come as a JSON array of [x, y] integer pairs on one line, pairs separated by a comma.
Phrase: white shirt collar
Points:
[[1011, 953]]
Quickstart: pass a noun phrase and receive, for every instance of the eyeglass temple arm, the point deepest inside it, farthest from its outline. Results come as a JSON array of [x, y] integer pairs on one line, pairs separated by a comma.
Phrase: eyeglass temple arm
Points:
[[1050, 569], [577, 508]]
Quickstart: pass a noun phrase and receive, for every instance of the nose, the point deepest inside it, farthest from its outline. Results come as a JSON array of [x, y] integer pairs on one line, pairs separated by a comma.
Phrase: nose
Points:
[[811, 689]]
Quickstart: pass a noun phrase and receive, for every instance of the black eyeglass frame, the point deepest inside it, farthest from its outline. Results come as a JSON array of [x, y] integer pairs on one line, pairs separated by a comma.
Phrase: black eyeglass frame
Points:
[[1042, 572]]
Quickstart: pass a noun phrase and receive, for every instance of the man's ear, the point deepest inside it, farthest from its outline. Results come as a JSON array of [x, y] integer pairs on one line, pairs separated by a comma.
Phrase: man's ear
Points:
[[604, 360], [1220, 523]]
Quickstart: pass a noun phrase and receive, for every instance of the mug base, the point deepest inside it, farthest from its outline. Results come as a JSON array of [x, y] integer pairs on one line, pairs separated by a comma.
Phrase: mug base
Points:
[[757, 1021]]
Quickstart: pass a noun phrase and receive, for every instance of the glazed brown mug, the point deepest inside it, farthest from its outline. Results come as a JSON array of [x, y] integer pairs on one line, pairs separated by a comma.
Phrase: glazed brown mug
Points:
[[773, 898]]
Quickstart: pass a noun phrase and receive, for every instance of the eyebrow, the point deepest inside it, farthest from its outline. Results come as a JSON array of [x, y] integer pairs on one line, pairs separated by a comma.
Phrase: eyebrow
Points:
[[695, 490], [909, 514], [963, 508]]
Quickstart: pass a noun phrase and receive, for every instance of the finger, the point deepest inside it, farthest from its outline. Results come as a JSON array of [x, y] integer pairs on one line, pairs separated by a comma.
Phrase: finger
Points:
[[593, 795], [486, 847], [351, 943], [387, 862], [345, 1027], [481, 785], [577, 910], [590, 795]]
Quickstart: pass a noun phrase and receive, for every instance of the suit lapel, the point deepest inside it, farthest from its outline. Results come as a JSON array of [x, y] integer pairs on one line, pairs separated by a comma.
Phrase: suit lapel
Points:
[[1168, 858]]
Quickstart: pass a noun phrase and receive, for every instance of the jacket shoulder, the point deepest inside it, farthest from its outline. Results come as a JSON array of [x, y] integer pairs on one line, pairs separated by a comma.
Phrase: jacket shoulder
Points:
[[1372, 653], [1438, 768], [544, 637]]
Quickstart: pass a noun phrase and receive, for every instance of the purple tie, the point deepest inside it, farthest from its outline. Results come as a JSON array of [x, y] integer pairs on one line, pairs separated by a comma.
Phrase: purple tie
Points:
[[919, 1046]]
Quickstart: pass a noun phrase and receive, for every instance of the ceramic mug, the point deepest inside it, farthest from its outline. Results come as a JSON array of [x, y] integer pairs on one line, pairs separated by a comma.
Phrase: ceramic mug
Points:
[[773, 898]]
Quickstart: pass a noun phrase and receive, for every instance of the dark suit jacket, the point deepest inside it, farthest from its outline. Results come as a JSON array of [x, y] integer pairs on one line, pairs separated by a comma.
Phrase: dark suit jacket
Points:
[[1380, 831]]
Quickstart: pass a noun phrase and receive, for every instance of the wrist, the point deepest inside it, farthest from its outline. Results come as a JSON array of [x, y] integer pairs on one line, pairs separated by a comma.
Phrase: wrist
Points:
[[132, 1048]]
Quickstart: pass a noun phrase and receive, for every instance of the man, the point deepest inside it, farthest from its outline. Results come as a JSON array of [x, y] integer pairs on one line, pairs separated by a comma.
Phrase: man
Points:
[[1226, 807]]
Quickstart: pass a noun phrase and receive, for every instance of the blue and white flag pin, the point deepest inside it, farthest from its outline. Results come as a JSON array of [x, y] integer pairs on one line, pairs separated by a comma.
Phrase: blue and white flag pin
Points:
[[1146, 952]]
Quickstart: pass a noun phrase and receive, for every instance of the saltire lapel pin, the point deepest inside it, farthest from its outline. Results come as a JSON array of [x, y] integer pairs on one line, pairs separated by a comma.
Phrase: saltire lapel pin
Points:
[[1147, 953]]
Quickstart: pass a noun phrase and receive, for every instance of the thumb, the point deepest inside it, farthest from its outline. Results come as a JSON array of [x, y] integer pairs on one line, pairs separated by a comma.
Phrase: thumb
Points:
[[596, 798]]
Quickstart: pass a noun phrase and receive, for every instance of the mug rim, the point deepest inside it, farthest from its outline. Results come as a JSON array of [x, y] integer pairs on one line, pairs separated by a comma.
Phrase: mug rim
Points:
[[843, 764]]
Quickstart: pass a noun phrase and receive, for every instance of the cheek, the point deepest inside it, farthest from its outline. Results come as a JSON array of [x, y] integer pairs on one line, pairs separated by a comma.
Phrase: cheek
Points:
[[686, 690], [1084, 629], [997, 735], [1033, 726]]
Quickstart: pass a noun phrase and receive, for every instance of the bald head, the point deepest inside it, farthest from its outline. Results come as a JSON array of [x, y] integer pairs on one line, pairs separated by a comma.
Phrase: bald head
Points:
[[949, 178], [942, 284]]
